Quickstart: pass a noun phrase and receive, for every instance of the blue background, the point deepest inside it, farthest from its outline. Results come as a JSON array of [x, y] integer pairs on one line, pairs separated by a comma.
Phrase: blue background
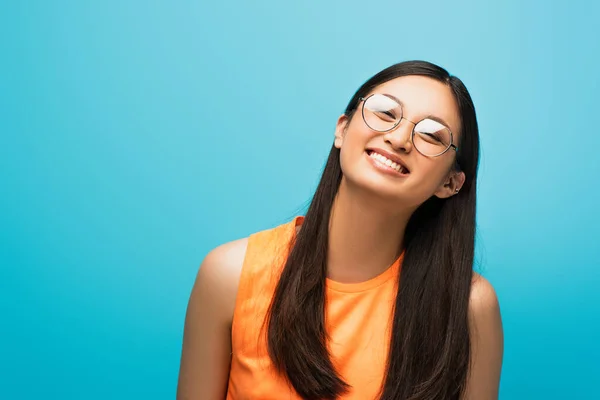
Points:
[[136, 136]]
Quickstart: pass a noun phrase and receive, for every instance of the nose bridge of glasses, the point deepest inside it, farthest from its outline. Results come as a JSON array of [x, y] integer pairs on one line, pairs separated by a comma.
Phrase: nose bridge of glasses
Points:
[[402, 117], [403, 132]]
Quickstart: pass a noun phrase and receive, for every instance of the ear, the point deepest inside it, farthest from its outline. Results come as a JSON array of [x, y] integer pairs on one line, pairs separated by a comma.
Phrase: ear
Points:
[[451, 186], [340, 130]]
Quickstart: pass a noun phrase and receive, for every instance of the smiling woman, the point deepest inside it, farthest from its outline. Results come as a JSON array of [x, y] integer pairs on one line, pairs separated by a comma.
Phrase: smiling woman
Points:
[[372, 294]]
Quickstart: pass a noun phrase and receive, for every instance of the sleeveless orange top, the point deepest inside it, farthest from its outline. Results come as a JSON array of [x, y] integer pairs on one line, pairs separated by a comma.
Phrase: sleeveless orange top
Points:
[[358, 321]]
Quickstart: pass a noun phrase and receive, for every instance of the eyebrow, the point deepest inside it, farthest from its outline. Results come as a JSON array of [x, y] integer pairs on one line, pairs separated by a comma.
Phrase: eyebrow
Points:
[[432, 117]]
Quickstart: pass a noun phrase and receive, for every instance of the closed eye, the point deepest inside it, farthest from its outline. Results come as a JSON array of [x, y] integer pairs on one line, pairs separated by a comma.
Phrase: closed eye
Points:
[[431, 137], [386, 115]]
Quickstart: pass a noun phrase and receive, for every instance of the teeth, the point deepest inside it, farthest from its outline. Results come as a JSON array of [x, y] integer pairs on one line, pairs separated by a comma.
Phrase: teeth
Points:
[[386, 161]]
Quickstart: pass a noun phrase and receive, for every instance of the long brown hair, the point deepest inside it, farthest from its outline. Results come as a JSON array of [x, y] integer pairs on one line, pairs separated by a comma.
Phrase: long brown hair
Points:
[[429, 351]]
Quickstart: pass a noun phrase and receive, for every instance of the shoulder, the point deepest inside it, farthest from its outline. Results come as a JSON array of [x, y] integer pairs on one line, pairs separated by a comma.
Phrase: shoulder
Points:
[[483, 300], [487, 341], [485, 321], [225, 260], [206, 350], [219, 275]]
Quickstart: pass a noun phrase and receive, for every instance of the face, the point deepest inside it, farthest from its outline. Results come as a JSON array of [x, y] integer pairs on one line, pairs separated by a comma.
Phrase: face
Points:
[[364, 152]]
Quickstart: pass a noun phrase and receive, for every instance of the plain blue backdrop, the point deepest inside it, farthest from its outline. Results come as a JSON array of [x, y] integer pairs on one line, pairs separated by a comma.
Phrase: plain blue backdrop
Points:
[[138, 135]]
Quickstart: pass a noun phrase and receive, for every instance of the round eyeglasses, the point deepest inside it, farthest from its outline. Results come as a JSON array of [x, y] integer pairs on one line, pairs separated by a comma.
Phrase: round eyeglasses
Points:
[[382, 113]]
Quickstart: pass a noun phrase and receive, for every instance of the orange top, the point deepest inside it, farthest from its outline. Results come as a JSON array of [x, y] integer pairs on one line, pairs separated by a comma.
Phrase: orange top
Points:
[[358, 321]]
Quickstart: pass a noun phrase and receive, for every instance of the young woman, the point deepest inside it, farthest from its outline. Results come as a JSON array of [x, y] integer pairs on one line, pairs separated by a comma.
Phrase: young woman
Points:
[[372, 294]]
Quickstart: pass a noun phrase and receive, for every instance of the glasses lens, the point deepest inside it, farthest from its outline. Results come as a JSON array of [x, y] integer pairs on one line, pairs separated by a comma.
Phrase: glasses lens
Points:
[[432, 138], [381, 113]]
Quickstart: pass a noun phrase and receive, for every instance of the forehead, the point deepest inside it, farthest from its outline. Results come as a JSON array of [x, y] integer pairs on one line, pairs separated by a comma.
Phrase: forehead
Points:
[[421, 97]]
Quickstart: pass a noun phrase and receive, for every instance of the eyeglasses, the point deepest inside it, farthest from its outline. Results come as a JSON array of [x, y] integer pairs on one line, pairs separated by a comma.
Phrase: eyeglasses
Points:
[[382, 113]]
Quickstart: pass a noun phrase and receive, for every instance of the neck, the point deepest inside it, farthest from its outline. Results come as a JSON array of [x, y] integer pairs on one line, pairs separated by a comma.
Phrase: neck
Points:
[[365, 235]]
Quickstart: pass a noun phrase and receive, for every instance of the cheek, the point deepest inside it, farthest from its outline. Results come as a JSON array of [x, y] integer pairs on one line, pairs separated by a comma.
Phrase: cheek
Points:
[[353, 146], [357, 137], [429, 174], [349, 157]]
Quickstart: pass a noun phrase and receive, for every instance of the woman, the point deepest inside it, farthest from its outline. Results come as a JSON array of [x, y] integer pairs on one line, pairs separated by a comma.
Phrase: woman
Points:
[[372, 294]]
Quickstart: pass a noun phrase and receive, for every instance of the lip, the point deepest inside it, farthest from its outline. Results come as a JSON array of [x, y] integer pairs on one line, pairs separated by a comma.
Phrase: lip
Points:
[[389, 156]]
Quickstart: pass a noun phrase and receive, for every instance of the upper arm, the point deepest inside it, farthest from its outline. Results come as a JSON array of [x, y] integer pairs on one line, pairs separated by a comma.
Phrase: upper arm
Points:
[[206, 353], [487, 342]]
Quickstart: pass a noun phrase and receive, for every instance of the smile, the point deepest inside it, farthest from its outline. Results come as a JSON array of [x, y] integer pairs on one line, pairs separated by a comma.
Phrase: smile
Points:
[[382, 162]]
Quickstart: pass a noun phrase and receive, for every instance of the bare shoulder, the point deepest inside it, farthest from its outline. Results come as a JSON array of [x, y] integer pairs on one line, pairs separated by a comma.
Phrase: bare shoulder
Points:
[[483, 300], [219, 275], [487, 342], [225, 260], [206, 351]]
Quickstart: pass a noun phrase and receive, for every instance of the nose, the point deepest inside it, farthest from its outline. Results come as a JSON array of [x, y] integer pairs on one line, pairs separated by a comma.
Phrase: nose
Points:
[[400, 137]]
